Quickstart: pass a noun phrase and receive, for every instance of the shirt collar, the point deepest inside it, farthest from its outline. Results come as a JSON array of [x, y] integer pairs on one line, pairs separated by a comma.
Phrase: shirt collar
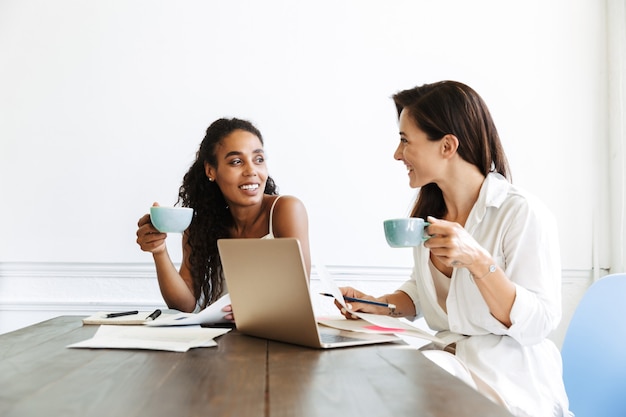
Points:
[[492, 193]]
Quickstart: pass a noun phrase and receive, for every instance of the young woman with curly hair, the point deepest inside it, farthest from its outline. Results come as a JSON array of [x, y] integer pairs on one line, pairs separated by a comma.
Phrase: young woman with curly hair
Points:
[[233, 196]]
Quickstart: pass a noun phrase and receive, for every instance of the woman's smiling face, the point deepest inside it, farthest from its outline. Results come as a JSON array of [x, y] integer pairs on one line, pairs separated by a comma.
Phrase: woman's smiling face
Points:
[[417, 152], [241, 172]]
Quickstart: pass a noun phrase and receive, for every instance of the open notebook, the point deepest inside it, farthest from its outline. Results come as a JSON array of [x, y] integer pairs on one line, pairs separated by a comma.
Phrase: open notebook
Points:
[[269, 292]]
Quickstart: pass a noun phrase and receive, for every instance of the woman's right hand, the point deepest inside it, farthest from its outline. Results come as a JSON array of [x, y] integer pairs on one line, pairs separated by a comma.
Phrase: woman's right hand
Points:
[[355, 305], [149, 238]]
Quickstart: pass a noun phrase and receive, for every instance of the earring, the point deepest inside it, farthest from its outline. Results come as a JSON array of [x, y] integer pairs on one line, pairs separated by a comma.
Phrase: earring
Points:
[[210, 179]]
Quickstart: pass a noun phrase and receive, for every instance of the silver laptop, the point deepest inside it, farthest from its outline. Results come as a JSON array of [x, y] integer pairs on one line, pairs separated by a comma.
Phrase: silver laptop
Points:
[[269, 292]]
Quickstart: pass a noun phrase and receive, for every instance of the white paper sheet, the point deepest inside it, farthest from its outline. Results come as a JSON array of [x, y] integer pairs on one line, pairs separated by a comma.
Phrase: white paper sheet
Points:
[[211, 315], [329, 284], [176, 339]]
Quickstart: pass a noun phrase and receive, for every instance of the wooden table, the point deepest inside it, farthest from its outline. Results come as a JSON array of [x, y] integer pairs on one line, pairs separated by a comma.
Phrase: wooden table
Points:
[[242, 376]]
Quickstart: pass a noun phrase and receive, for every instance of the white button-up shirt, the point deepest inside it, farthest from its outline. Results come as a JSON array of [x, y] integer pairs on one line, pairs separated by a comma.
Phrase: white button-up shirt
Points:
[[519, 362]]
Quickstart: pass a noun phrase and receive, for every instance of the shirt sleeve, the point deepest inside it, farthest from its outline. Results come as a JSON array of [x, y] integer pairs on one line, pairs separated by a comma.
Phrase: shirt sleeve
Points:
[[533, 264]]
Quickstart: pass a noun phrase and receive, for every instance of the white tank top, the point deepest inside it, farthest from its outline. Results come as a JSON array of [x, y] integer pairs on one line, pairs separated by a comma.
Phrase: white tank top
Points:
[[270, 235]]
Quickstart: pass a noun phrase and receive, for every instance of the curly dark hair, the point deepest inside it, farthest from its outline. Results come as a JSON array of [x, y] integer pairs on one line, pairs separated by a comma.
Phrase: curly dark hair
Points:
[[450, 107], [212, 218]]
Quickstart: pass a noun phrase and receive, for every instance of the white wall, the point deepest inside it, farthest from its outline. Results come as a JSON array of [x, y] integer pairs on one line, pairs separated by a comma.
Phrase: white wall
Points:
[[103, 105]]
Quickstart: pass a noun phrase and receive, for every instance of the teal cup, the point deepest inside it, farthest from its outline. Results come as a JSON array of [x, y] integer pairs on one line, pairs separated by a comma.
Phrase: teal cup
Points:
[[406, 232], [171, 219]]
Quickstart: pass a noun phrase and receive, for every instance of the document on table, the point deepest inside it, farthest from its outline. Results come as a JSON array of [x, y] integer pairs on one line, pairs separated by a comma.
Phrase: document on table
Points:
[[375, 323], [213, 314], [372, 323], [176, 339]]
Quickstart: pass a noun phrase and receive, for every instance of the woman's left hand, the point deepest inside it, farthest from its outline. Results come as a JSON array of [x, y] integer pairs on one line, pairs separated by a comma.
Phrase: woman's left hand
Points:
[[452, 244]]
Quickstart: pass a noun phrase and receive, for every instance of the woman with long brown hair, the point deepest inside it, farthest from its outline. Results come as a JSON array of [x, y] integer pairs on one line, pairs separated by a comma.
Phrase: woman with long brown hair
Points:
[[488, 279]]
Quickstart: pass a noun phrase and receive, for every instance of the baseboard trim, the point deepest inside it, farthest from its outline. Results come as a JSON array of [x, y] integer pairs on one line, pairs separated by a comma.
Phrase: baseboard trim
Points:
[[146, 270], [76, 269], [35, 291], [55, 286]]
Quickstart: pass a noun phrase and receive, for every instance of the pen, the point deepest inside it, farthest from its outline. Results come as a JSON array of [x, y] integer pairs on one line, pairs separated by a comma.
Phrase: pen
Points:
[[124, 313], [154, 315], [360, 300]]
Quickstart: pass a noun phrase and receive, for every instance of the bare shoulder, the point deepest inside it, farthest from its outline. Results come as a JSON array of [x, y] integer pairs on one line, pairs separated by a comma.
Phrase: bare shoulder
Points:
[[291, 220], [289, 203], [289, 211]]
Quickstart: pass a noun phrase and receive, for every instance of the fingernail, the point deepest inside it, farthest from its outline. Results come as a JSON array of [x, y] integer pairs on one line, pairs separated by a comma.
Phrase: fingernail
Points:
[[343, 310], [349, 306]]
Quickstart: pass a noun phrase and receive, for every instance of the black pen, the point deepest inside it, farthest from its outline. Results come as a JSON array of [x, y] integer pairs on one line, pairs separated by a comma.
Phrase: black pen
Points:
[[124, 313], [154, 315], [360, 300]]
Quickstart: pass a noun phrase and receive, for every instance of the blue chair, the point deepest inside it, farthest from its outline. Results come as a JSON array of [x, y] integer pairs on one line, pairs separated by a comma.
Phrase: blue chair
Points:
[[594, 351]]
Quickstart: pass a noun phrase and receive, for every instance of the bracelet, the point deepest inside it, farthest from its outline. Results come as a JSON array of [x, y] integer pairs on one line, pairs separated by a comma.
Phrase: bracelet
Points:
[[492, 268]]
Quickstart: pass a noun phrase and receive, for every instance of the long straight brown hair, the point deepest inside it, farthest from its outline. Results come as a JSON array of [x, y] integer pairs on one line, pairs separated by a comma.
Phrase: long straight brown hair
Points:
[[451, 107]]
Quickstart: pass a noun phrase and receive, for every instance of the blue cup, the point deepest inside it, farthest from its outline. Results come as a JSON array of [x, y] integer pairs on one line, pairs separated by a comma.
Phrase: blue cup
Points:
[[406, 232], [171, 219]]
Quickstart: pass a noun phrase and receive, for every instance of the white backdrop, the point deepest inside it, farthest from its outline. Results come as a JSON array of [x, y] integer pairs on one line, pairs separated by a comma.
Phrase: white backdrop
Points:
[[104, 103]]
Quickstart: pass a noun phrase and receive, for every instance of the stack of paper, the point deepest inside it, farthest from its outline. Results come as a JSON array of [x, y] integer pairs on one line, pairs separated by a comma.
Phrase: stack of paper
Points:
[[374, 323], [177, 339]]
